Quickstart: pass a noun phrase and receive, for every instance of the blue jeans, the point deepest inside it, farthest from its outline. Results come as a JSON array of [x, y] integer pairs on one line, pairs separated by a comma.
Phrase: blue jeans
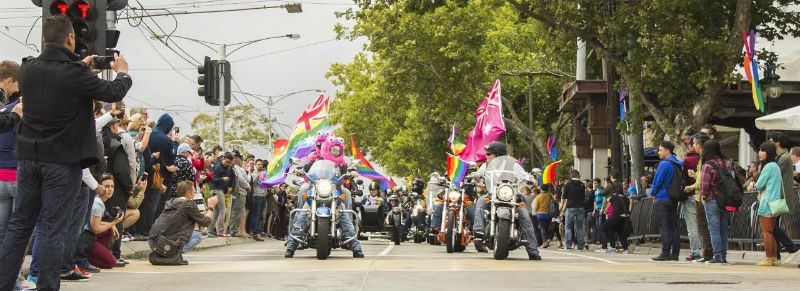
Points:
[[43, 191], [592, 227], [436, 216], [299, 225], [75, 228], [574, 219], [193, 242], [667, 216], [718, 229], [7, 192], [523, 218], [255, 219]]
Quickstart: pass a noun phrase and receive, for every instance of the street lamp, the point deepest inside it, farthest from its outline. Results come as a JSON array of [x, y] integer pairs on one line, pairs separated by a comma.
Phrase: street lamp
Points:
[[773, 88], [293, 7]]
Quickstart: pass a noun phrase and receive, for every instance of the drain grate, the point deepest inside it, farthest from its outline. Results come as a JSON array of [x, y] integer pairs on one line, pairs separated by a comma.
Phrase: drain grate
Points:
[[703, 283]]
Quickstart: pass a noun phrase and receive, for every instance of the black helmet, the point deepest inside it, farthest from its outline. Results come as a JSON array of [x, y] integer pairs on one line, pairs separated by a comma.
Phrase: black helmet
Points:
[[417, 186], [497, 148], [374, 186]]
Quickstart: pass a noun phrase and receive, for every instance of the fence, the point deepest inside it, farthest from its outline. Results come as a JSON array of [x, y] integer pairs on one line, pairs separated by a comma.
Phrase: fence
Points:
[[743, 229]]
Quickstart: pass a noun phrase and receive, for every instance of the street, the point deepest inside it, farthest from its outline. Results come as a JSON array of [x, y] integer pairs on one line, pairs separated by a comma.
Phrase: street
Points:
[[261, 266]]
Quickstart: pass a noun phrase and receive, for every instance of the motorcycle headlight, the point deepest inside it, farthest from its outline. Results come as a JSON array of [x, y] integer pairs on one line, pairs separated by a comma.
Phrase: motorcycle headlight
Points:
[[454, 196], [505, 193], [324, 188]]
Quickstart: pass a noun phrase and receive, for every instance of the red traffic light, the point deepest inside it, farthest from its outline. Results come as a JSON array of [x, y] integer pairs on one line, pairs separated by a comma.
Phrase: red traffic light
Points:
[[81, 10], [59, 8]]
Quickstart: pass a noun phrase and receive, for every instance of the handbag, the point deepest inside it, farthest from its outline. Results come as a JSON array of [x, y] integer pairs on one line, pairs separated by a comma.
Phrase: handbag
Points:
[[779, 207], [164, 246]]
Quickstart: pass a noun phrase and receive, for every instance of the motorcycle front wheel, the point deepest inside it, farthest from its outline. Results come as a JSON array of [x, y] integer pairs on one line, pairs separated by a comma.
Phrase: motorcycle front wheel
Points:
[[501, 239], [323, 237], [449, 235]]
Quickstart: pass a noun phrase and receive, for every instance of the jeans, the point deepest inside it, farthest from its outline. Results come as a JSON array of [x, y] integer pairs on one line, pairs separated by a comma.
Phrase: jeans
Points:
[[76, 222], [574, 219], [259, 202], [218, 218], [718, 228], [152, 199], [43, 191], [299, 225], [592, 228], [7, 192], [544, 227], [667, 216], [689, 214], [193, 242], [436, 216]]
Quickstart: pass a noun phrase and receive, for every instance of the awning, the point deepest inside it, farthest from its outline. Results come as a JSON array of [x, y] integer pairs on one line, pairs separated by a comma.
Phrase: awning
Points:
[[788, 119]]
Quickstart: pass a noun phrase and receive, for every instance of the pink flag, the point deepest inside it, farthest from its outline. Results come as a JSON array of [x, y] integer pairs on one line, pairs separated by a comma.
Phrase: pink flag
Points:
[[489, 126]]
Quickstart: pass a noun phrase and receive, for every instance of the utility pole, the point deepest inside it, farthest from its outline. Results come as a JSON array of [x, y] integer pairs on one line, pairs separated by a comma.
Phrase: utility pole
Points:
[[531, 116], [222, 90]]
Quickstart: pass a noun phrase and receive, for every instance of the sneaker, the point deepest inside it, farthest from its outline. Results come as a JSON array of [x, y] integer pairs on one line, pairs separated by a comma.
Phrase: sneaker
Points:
[[611, 251], [600, 250], [74, 277], [33, 279], [534, 257], [289, 254], [258, 238], [715, 262], [27, 285], [83, 273], [120, 263], [693, 257], [90, 269], [627, 252], [140, 238], [701, 260], [661, 258]]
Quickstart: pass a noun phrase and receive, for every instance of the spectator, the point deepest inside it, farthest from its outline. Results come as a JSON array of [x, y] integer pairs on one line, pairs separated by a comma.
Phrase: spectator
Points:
[[177, 224], [541, 209], [689, 207], [9, 85], [186, 171], [8, 163], [591, 225], [599, 217], [161, 143], [221, 185], [615, 208], [141, 111], [645, 186], [54, 143], [710, 131], [102, 227], [718, 218], [573, 196], [698, 142], [784, 161], [752, 176], [771, 184], [259, 201], [796, 160], [281, 217], [120, 169], [239, 211], [271, 209], [666, 209]]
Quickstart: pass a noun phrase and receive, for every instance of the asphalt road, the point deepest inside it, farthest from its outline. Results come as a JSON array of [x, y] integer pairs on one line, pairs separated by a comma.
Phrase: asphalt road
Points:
[[261, 266]]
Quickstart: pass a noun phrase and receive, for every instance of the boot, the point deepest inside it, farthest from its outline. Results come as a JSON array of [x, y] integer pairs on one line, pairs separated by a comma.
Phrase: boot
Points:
[[289, 254], [358, 254]]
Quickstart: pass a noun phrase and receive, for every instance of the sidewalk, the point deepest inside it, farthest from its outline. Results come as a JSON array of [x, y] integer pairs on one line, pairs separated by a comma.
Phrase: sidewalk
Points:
[[733, 255], [140, 249]]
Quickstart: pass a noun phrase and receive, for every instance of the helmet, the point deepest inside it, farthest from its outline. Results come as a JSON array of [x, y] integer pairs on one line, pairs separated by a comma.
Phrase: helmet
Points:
[[417, 186], [374, 186], [496, 148]]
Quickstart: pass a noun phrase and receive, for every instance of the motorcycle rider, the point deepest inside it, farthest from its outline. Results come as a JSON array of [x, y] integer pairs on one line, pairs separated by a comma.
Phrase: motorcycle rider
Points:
[[494, 150], [331, 150], [375, 197], [469, 210]]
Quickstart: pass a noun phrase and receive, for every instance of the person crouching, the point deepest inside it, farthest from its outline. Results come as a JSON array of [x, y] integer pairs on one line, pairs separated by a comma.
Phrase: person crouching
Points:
[[174, 232]]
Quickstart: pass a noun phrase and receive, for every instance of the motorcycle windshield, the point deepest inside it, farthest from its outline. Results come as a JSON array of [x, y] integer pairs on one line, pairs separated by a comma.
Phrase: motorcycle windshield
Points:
[[433, 189], [322, 169], [500, 170]]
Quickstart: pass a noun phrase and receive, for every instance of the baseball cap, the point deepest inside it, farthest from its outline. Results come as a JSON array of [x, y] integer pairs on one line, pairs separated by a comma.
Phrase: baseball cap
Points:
[[184, 148]]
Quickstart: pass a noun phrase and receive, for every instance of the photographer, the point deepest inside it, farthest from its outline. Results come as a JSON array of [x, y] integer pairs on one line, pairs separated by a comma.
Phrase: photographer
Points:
[[102, 227], [174, 231], [54, 143]]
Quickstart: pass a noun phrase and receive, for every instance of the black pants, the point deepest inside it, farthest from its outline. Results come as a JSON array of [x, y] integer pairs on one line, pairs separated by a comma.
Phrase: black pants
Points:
[[152, 199], [667, 216], [782, 238], [544, 227], [614, 228]]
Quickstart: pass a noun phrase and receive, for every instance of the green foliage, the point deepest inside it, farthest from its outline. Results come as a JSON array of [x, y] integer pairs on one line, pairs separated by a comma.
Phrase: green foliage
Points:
[[245, 128], [428, 64]]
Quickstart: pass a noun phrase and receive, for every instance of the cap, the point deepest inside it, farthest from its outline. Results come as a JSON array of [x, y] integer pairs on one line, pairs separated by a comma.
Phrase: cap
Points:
[[236, 154], [184, 148]]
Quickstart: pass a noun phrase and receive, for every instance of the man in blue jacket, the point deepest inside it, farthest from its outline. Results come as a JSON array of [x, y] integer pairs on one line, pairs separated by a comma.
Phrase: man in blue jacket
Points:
[[666, 209]]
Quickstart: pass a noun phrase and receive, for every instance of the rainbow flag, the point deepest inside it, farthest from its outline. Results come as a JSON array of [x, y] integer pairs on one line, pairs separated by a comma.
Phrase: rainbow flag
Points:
[[313, 119], [456, 169], [751, 69], [366, 170], [549, 174], [455, 146]]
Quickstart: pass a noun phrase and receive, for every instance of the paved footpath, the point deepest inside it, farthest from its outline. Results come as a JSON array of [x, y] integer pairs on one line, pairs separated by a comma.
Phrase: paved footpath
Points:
[[261, 266]]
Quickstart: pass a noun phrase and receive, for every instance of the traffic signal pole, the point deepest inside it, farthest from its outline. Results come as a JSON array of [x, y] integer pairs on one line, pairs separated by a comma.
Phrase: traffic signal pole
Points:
[[111, 23], [222, 51]]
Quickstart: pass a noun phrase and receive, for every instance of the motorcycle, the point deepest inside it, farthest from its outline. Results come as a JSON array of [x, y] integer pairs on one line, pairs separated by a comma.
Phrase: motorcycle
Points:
[[323, 198], [419, 218], [394, 220], [437, 188], [457, 234], [504, 232]]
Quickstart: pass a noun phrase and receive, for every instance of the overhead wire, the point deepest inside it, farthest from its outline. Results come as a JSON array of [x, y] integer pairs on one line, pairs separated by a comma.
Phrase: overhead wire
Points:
[[284, 50]]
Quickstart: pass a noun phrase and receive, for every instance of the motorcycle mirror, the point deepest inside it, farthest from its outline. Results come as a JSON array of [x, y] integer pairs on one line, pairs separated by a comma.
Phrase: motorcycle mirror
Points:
[[360, 182], [297, 183], [294, 161]]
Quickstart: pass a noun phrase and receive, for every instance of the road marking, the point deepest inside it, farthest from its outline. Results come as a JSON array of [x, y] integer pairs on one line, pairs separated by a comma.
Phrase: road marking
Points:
[[387, 249], [587, 257]]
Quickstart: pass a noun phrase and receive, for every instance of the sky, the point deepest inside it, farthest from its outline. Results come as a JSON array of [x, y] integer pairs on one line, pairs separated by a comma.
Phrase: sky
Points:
[[164, 82]]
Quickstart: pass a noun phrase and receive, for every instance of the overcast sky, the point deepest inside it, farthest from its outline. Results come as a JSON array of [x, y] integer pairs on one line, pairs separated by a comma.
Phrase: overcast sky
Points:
[[290, 66]]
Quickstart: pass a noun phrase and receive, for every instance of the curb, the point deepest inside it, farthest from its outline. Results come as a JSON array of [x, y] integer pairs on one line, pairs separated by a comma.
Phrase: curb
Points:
[[140, 250], [748, 256]]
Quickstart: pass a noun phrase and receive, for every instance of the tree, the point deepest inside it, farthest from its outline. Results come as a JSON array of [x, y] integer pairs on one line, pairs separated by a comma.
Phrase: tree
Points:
[[245, 127], [428, 64], [676, 56]]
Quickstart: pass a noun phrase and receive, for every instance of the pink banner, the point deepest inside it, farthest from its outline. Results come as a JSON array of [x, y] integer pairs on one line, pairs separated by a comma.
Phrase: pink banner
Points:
[[489, 126]]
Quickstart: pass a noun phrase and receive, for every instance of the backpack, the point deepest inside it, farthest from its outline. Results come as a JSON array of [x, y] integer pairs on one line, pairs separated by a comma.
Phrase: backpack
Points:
[[554, 210], [677, 184], [730, 191]]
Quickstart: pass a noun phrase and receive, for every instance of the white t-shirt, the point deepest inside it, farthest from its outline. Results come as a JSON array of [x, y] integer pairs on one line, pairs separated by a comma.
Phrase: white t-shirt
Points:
[[98, 208]]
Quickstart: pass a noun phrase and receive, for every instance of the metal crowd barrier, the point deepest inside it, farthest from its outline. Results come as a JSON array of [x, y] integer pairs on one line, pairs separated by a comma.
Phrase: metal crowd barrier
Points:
[[743, 228]]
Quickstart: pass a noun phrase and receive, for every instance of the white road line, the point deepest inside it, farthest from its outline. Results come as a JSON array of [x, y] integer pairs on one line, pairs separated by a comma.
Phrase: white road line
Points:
[[587, 257], [387, 249]]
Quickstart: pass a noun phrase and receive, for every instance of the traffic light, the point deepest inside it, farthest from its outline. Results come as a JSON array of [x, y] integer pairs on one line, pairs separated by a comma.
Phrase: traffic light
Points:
[[224, 72], [88, 19], [207, 81]]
